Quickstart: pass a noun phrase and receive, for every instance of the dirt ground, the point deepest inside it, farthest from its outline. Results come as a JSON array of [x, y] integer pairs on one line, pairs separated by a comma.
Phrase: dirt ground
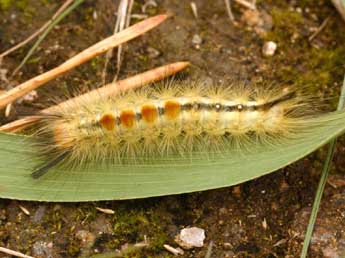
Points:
[[266, 217]]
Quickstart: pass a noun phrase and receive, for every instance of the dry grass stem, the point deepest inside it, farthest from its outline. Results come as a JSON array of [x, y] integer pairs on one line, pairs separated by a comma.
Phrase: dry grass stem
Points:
[[194, 8], [14, 253], [121, 12], [95, 50], [108, 90], [340, 5], [148, 3], [106, 211], [175, 251], [228, 9], [323, 25], [246, 4], [24, 210], [38, 32], [122, 22]]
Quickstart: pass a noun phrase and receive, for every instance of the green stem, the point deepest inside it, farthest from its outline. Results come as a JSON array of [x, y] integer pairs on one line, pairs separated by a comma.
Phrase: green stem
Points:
[[322, 183]]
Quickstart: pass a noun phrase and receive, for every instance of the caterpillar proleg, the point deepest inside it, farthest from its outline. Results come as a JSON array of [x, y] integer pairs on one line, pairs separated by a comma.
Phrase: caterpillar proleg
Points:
[[180, 118]]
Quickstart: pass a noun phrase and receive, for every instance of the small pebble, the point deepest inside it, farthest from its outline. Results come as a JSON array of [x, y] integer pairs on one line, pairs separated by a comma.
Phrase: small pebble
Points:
[[269, 48], [95, 15], [283, 186], [43, 249], [197, 40], [227, 246], [152, 52], [328, 240], [236, 191], [191, 237], [223, 210], [264, 224], [28, 98], [3, 77], [39, 214], [330, 252], [87, 238]]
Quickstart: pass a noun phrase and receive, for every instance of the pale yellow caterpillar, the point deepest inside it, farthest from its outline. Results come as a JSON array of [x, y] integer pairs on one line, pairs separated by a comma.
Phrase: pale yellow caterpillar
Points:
[[180, 118]]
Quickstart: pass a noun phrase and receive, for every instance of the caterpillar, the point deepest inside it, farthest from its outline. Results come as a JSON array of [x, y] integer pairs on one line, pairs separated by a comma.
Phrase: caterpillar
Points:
[[180, 118]]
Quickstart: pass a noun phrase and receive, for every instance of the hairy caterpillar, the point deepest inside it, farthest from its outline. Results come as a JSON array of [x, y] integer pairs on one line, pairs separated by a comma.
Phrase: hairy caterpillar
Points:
[[180, 118]]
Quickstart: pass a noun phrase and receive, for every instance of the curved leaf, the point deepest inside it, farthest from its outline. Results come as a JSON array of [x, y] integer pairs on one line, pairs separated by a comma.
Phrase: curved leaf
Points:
[[161, 177]]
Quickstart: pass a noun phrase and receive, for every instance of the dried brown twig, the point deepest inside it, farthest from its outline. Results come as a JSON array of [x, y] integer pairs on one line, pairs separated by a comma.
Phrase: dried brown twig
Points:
[[82, 57], [322, 26], [340, 5], [110, 89]]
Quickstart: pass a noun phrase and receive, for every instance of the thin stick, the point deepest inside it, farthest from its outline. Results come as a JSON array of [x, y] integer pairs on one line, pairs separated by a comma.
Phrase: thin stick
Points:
[[323, 25], [174, 251], [129, 11], [246, 4], [322, 183], [194, 8], [124, 23], [82, 57], [340, 5], [209, 250], [119, 26], [14, 253], [228, 9], [36, 33], [108, 90]]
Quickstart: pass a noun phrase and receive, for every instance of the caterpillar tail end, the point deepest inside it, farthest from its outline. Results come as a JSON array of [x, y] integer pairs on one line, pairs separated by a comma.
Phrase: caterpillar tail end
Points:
[[37, 173]]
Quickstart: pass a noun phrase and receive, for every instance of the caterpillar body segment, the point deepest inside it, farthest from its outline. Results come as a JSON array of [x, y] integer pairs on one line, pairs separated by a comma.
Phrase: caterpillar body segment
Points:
[[180, 119]]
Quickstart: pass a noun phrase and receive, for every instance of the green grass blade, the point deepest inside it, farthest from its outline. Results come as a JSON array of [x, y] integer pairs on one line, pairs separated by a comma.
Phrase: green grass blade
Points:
[[161, 177], [46, 32], [322, 184]]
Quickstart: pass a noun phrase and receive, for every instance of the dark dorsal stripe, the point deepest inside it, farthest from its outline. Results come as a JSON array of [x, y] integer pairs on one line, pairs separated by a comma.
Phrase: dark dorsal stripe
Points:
[[218, 107], [237, 107], [277, 101]]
